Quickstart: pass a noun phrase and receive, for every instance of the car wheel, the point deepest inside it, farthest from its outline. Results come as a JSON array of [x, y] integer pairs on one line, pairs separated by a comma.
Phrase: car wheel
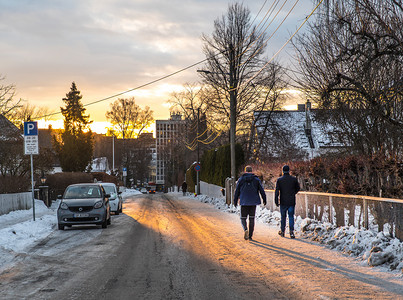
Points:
[[61, 227], [109, 220]]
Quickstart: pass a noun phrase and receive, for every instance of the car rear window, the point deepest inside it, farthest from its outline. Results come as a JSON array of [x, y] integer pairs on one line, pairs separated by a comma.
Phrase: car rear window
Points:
[[81, 192], [110, 189]]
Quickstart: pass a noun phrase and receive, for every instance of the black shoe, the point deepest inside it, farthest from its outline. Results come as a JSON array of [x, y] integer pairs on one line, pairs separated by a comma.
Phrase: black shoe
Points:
[[246, 234], [250, 238], [292, 235], [281, 233]]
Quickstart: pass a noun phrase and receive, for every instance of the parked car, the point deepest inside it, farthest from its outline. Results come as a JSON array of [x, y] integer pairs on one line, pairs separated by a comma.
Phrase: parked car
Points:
[[143, 190], [115, 201], [84, 203]]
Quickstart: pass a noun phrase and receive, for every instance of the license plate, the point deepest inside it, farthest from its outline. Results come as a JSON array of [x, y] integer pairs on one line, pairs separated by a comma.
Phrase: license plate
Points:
[[81, 215]]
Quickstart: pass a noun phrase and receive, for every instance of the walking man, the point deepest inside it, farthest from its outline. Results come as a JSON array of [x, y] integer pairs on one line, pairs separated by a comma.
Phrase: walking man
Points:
[[247, 190], [184, 188], [287, 187]]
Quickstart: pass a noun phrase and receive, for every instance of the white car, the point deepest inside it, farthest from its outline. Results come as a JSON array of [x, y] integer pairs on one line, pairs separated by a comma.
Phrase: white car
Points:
[[115, 201]]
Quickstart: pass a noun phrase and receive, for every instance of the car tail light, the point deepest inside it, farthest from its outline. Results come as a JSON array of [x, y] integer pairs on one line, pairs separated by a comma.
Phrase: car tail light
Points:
[[98, 204], [64, 206]]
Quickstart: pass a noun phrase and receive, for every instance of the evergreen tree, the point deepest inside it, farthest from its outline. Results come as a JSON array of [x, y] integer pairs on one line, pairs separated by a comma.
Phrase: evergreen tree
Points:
[[75, 145]]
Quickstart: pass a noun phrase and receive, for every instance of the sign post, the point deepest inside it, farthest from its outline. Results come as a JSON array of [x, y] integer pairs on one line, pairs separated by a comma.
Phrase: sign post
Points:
[[197, 168], [31, 147]]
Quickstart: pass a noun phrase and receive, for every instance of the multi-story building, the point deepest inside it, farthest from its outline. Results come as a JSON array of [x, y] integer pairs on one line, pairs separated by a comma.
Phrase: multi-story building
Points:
[[168, 135]]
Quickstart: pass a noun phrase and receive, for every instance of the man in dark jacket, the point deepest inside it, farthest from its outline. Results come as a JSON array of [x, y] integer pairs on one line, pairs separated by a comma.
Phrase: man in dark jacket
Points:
[[184, 188], [247, 190], [287, 187]]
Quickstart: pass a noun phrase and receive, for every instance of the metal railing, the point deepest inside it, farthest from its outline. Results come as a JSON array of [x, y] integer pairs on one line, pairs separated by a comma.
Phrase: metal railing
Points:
[[379, 214]]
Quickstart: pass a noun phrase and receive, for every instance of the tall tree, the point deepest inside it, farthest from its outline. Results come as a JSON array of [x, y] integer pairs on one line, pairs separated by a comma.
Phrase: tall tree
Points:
[[74, 147], [352, 61], [128, 119], [238, 79]]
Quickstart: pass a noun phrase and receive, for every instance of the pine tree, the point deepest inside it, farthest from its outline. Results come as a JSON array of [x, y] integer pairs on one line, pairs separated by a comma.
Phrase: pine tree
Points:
[[75, 145]]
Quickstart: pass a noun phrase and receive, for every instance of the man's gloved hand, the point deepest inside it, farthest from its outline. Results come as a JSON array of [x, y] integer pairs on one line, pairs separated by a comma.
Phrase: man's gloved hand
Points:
[[264, 203], [277, 204]]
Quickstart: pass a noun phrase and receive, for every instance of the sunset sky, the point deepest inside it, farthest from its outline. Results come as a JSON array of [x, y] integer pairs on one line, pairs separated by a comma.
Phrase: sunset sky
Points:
[[110, 46]]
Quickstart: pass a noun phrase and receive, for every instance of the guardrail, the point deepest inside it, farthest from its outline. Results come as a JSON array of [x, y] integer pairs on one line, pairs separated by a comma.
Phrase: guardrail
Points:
[[17, 201]]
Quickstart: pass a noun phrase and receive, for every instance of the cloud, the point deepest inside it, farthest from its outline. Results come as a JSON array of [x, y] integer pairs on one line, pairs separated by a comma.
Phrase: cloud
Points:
[[105, 46]]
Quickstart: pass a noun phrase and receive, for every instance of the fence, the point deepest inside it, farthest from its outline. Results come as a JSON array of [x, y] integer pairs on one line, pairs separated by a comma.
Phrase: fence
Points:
[[378, 214], [18, 201]]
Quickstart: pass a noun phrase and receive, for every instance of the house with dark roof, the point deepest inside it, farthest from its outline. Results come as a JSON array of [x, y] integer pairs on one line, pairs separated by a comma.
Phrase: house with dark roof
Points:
[[8, 131], [295, 134]]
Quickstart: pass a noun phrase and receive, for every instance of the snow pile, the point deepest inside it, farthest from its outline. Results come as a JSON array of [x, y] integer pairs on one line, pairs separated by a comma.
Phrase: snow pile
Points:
[[373, 248], [376, 248], [22, 231], [130, 192]]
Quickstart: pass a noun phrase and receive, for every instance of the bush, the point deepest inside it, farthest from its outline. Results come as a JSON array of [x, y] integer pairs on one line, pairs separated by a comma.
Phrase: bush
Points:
[[59, 181], [14, 184], [216, 164]]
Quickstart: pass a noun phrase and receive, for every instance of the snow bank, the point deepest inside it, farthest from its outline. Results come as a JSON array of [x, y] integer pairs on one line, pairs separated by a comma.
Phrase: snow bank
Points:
[[130, 192], [373, 248]]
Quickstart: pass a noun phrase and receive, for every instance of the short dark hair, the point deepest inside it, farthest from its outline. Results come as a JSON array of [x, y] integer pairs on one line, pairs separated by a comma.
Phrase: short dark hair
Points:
[[286, 169], [248, 169]]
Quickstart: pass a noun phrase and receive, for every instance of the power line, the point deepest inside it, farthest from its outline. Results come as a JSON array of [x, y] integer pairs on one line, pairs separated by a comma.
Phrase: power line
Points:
[[285, 44]]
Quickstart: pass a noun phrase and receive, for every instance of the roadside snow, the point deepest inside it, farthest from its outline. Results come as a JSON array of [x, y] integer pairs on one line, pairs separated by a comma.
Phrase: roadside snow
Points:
[[372, 248]]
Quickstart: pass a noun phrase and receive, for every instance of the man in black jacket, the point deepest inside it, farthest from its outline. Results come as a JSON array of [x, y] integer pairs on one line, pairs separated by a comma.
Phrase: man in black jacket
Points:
[[287, 187]]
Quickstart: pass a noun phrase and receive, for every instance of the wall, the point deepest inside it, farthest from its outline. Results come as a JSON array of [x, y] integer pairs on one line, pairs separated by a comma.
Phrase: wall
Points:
[[18, 201], [210, 190]]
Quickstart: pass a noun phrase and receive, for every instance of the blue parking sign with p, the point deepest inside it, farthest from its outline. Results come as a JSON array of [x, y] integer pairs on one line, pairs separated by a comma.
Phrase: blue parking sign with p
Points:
[[30, 128]]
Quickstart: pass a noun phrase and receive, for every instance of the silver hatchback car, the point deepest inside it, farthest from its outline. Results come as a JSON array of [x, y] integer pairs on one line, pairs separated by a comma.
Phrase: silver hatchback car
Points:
[[115, 201], [84, 203]]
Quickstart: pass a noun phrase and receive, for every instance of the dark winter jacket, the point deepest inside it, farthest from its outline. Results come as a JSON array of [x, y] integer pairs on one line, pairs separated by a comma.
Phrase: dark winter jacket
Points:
[[287, 187], [247, 190]]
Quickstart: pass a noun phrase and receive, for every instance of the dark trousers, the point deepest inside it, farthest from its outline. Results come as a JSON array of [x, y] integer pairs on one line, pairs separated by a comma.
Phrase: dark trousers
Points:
[[248, 210], [283, 210]]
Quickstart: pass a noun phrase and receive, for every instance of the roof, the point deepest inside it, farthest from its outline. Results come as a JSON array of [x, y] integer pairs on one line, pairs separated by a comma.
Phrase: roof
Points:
[[8, 131], [304, 129]]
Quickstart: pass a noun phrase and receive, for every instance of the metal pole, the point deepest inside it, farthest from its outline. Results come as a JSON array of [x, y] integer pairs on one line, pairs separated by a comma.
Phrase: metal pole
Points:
[[32, 187], [198, 152], [113, 153]]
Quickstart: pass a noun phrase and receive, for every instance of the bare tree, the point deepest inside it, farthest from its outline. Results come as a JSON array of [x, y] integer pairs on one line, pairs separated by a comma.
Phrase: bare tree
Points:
[[236, 76], [26, 112], [128, 119], [352, 65], [7, 102]]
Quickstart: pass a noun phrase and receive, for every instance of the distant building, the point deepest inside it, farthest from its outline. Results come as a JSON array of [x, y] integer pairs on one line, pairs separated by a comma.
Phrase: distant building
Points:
[[295, 134], [167, 134]]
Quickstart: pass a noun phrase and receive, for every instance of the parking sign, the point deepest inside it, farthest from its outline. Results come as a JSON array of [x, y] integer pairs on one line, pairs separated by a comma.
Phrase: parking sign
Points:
[[31, 138]]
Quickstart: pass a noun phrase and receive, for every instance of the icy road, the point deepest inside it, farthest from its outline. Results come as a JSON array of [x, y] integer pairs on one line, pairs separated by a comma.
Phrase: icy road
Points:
[[170, 247]]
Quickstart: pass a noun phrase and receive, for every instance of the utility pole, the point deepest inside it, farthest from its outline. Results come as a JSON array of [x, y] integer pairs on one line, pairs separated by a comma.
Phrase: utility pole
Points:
[[232, 109], [198, 152]]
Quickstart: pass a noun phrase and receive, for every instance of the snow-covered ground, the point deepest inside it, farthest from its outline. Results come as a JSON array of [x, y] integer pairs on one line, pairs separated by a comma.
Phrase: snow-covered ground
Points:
[[18, 233]]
